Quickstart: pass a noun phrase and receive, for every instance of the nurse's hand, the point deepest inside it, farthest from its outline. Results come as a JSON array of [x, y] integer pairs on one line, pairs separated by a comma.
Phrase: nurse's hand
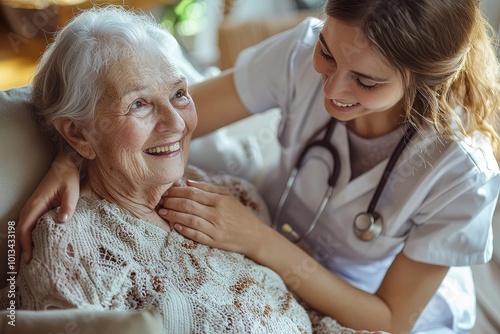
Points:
[[210, 215], [59, 187]]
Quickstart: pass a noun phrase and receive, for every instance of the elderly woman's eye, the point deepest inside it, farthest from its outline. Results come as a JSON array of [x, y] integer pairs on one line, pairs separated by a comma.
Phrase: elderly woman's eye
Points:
[[137, 104], [180, 93], [181, 98]]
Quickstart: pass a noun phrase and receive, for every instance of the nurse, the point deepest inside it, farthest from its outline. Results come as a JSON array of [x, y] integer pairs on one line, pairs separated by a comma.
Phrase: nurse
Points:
[[379, 68]]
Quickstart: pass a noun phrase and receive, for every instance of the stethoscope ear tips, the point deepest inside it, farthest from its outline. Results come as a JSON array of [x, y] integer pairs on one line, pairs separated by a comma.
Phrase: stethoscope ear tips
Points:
[[368, 226]]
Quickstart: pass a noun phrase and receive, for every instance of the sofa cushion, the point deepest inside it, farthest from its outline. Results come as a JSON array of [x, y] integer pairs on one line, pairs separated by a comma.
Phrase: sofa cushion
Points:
[[80, 321], [26, 156]]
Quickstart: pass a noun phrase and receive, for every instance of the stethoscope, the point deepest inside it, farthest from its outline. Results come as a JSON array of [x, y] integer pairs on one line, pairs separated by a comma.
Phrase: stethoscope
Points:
[[367, 225]]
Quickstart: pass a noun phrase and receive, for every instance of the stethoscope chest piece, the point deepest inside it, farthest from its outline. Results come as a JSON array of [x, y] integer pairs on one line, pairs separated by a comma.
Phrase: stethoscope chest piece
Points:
[[368, 226]]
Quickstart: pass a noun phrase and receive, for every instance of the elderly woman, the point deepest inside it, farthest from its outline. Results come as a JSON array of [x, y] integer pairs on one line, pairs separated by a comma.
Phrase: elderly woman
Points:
[[108, 90]]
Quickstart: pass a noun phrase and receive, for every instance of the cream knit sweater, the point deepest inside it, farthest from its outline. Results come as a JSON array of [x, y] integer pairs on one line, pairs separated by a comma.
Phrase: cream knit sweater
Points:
[[104, 259]]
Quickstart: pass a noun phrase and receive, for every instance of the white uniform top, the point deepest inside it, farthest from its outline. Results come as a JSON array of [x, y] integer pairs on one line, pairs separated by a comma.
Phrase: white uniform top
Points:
[[437, 205]]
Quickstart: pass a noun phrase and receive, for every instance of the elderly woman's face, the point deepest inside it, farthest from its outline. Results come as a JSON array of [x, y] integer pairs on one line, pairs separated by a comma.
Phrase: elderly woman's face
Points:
[[144, 122]]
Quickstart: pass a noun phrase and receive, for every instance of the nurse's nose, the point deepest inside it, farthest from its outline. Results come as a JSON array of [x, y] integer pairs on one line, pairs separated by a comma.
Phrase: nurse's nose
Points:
[[336, 86], [169, 119]]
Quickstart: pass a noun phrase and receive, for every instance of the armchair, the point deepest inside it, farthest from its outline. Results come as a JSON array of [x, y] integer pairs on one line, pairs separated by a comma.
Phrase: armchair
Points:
[[28, 156]]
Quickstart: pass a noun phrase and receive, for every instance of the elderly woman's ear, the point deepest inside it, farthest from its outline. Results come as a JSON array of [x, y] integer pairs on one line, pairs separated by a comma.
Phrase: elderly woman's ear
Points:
[[75, 137]]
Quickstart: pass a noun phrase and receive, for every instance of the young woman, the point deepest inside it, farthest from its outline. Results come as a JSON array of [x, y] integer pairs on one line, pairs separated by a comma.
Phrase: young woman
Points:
[[403, 98]]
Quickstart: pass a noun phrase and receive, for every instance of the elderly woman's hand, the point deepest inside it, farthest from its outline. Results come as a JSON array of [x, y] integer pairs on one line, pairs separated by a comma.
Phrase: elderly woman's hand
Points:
[[211, 215], [59, 187]]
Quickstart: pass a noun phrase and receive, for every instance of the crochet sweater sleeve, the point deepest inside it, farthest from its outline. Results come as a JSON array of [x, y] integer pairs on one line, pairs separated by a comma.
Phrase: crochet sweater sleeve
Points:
[[62, 274]]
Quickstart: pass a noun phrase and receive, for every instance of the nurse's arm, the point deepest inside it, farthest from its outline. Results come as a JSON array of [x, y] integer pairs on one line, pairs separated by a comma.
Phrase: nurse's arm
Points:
[[210, 215], [405, 291], [59, 187], [217, 103]]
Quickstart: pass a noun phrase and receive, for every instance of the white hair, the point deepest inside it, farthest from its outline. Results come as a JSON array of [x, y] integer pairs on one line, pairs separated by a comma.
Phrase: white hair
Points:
[[69, 80]]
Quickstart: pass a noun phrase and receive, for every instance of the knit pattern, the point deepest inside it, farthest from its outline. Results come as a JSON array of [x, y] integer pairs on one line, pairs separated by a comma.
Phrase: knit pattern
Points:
[[107, 259]]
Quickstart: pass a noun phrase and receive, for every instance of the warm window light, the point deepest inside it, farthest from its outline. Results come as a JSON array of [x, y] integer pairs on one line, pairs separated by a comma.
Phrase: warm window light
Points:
[[38, 4]]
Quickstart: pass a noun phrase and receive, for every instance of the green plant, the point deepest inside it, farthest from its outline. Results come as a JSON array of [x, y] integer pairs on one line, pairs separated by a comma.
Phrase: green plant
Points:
[[185, 17]]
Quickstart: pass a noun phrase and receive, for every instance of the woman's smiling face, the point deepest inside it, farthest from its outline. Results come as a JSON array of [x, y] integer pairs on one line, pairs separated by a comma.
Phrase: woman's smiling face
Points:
[[144, 123], [360, 87]]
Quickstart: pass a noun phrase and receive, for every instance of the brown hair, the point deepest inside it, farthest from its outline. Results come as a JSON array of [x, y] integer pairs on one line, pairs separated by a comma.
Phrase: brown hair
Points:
[[446, 55]]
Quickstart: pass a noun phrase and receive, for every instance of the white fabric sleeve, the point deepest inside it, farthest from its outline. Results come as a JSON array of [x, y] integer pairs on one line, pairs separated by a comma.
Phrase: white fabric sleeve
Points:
[[453, 226], [262, 73]]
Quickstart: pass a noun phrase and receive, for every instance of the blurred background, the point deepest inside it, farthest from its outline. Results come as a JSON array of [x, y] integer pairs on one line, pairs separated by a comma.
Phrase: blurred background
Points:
[[211, 32]]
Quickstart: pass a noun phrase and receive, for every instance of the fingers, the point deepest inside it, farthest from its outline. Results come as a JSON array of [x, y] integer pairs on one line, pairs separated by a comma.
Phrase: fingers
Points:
[[192, 193], [211, 188], [65, 183], [190, 225], [197, 212], [188, 201], [175, 184], [194, 215], [32, 210], [194, 234], [68, 204]]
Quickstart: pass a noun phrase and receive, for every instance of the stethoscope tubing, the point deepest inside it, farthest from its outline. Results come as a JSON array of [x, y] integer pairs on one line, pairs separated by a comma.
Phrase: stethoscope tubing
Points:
[[375, 227], [403, 143], [332, 180]]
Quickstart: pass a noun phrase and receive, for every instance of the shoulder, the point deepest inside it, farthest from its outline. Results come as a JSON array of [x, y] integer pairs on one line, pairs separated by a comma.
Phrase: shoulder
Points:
[[83, 208], [465, 157], [269, 74], [51, 239], [480, 153], [442, 172], [455, 189], [307, 31], [49, 230], [293, 42], [472, 158]]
